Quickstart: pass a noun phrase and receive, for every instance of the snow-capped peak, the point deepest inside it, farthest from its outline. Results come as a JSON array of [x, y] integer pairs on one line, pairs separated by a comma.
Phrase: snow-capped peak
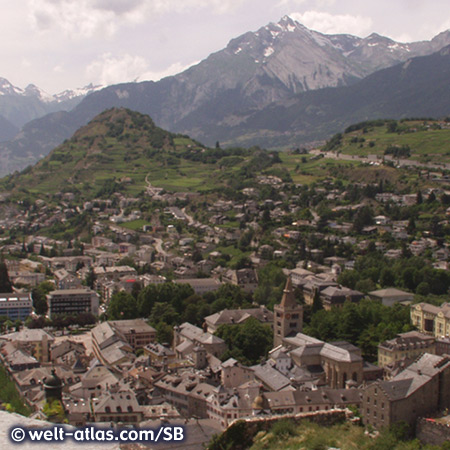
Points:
[[33, 91], [6, 88], [69, 94]]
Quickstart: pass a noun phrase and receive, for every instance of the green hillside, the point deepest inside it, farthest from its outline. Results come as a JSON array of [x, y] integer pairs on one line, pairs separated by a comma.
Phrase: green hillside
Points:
[[123, 151], [420, 140]]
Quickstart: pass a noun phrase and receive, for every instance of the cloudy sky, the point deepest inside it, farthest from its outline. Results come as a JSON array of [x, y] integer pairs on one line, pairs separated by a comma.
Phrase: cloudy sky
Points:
[[64, 44]]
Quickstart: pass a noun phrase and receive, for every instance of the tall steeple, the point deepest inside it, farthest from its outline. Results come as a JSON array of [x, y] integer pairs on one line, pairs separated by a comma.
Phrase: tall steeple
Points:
[[288, 299], [288, 317]]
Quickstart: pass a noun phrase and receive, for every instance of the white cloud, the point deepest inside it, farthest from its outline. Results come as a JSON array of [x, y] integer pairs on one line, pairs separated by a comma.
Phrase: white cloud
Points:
[[334, 24], [317, 3], [75, 18], [173, 69], [26, 63], [86, 18], [58, 69], [111, 69]]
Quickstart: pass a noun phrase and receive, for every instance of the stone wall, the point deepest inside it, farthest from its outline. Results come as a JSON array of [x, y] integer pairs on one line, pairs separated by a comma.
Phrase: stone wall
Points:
[[239, 435], [428, 431]]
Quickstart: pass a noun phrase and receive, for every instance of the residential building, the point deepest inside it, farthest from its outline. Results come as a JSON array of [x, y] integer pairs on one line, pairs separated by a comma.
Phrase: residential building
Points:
[[117, 407], [201, 285], [137, 332], [431, 319], [408, 345], [233, 374], [72, 301], [390, 296], [238, 316], [422, 388], [36, 342], [159, 354], [188, 336], [111, 346], [66, 280], [336, 296], [247, 279], [15, 306], [188, 393]]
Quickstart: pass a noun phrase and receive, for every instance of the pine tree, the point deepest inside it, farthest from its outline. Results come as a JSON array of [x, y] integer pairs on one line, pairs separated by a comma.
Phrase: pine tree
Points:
[[5, 283], [317, 302]]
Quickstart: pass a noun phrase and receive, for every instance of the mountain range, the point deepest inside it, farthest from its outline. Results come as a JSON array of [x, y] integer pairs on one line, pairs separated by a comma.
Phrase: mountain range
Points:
[[281, 85], [19, 106]]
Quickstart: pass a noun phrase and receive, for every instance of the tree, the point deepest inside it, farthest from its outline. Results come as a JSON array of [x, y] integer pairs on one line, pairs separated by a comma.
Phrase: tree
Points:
[[122, 306], [348, 278], [146, 300], [366, 285], [364, 217], [411, 228], [90, 278], [164, 333], [5, 283], [39, 301], [419, 198], [246, 342], [164, 312], [387, 277], [423, 288], [317, 302]]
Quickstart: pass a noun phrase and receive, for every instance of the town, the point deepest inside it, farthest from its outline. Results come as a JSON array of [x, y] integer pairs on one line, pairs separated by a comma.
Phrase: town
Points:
[[275, 299]]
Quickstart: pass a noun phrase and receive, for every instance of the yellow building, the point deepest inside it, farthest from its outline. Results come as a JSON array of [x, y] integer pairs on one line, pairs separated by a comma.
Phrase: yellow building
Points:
[[430, 319], [405, 345]]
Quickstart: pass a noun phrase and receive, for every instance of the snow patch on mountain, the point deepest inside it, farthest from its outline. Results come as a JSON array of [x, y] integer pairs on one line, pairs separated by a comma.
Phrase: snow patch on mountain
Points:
[[268, 51]]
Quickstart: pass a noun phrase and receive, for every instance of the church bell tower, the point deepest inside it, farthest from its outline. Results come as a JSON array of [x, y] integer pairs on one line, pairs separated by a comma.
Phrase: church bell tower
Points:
[[288, 316]]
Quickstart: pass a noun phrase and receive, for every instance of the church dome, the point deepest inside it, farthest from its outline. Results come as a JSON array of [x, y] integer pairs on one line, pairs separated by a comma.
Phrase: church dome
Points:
[[258, 403]]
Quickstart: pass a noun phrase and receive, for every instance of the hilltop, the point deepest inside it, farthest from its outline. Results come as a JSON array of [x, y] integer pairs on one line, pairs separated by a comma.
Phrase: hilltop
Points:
[[124, 151]]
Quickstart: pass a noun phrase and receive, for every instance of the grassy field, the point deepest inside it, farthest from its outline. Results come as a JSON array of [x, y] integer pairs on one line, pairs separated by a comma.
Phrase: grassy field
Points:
[[234, 253], [305, 169], [135, 225], [426, 144]]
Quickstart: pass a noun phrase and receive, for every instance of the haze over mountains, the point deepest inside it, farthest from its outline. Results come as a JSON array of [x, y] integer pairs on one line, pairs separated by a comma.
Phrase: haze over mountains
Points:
[[271, 87]]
